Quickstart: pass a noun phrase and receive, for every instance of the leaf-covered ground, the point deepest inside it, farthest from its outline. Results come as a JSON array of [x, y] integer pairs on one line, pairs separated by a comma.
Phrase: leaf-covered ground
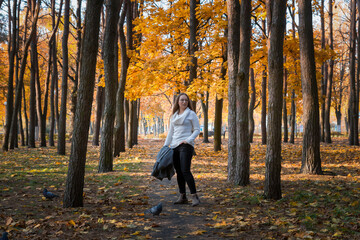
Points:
[[312, 207]]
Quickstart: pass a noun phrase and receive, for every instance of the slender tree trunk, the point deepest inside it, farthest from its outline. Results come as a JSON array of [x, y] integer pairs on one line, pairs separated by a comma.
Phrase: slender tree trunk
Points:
[[127, 113], [100, 98], [218, 123], [252, 106], [64, 84], [353, 118], [233, 10], [193, 43], [73, 196], [263, 99], [324, 75], [204, 106], [26, 117], [120, 122], [219, 101], [111, 77], [276, 21], [19, 87], [10, 87], [293, 117], [242, 98], [32, 102], [311, 162], [22, 134], [285, 121], [330, 79]]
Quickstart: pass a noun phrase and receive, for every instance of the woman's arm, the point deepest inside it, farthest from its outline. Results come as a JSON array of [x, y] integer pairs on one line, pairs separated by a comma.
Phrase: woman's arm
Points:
[[170, 134], [196, 127]]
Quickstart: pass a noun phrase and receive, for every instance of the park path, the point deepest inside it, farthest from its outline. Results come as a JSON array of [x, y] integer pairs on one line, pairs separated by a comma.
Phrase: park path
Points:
[[178, 221]]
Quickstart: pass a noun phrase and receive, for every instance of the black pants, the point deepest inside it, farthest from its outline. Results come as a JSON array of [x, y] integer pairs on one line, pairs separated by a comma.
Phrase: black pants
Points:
[[182, 163]]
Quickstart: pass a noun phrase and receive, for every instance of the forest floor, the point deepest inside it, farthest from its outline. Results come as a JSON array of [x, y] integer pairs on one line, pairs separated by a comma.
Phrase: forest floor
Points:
[[312, 207]]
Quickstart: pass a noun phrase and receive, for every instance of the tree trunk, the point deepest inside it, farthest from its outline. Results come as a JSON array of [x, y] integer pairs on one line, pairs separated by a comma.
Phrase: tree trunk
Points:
[[10, 87], [330, 79], [120, 122], [127, 113], [205, 108], [252, 106], [111, 76], [352, 117], [311, 162], [263, 100], [285, 121], [26, 117], [276, 21], [77, 62], [73, 196], [132, 109], [19, 87], [64, 84], [293, 117], [242, 98], [233, 9], [100, 98], [324, 77], [218, 123], [32, 102], [193, 43]]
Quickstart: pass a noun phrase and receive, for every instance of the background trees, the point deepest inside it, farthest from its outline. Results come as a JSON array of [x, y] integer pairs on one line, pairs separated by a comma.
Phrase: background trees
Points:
[[159, 50]]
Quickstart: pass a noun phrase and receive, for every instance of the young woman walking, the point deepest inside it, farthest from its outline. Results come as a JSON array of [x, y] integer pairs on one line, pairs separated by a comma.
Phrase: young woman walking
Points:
[[184, 128]]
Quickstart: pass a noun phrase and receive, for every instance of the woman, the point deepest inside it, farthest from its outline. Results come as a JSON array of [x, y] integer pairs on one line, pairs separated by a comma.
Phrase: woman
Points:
[[184, 128]]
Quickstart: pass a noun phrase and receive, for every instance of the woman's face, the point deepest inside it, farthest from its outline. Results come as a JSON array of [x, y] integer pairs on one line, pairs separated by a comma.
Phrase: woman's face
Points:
[[183, 102]]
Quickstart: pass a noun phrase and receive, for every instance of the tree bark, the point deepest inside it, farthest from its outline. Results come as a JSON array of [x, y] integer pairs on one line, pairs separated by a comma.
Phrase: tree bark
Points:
[[252, 106], [64, 84], [111, 78], [311, 162], [285, 120], [263, 98], [32, 102], [324, 77], [276, 21], [219, 101], [330, 78], [205, 108], [218, 123], [242, 98], [293, 117], [19, 87], [120, 140], [75, 177], [193, 43], [100, 98], [10, 87], [352, 117], [233, 9]]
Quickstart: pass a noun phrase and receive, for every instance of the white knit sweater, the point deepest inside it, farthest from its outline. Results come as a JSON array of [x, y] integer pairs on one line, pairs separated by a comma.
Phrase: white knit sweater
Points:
[[183, 127]]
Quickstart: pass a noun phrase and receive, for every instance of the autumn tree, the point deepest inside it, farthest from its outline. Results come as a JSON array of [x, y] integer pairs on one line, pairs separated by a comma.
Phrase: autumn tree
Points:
[[119, 145], [239, 53], [75, 177], [64, 84], [275, 10], [311, 162], [111, 78]]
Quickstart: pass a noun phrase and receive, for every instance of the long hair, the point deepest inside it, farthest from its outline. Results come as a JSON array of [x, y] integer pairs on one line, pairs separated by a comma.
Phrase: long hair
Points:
[[176, 104]]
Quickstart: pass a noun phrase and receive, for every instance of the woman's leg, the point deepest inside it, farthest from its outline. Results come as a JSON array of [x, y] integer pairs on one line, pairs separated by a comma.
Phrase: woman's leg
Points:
[[186, 153], [179, 174]]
